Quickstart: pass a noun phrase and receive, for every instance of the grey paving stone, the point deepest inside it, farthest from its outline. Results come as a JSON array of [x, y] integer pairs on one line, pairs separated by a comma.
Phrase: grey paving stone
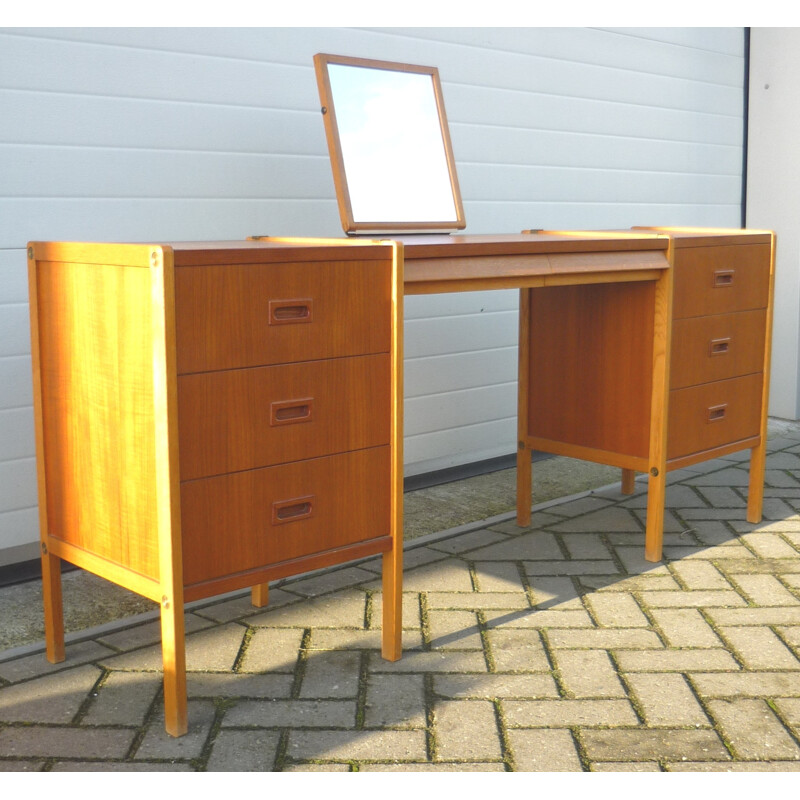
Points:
[[495, 577], [633, 560], [621, 766], [733, 766], [454, 629], [611, 519], [359, 640], [440, 767], [582, 505], [517, 650], [666, 700], [745, 684], [434, 661], [616, 610], [395, 701], [753, 731], [375, 745], [604, 638], [51, 699], [697, 575], [411, 611], [684, 660], [158, 744], [148, 633], [685, 627], [556, 593], [332, 674], [563, 713], [325, 582], [780, 615], [766, 590], [33, 666], [41, 741], [22, 766], [446, 576], [731, 476], [653, 745], [123, 699], [722, 496], [340, 610], [466, 729], [119, 766], [469, 541], [587, 674], [291, 714], [693, 599], [240, 607], [661, 582], [561, 567], [547, 618], [759, 648], [538, 545], [478, 600], [789, 710], [585, 546], [495, 685], [544, 750], [243, 751], [230, 684], [272, 650]]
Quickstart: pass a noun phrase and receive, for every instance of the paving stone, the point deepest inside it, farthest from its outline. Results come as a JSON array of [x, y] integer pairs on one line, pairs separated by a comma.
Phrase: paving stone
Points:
[[634, 562], [53, 698], [40, 741], [745, 684], [340, 610], [588, 673], [539, 520], [722, 552], [517, 650], [585, 546], [564, 713], [548, 618], [455, 767], [123, 699], [766, 590], [722, 496], [556, 593], [789, 634], [410, 615], [685, 627], [710, 531], [272, 650], [331, 674], [604, 638], [320, 768], [478, 600], [761, 566], [777, 477], [697, 575], [752, 730], [23, 766], [653, 745], [538, 545], [789, 709], [291, 714], [357, 745], [666, 700], [119, 766], [561, 567], [495, 685], [498, 576], [325, 582], [239, 607], [446, 576], [228, 684], [616, 610], [544, 750], [678, 496], [434, 661], [759, 648], [733, 766], [469, 541], [454, 629], [466, 729], [693, 599], [787, 615], [330, 639], [148, 633], [582, 505], [732, 476], [34, 666], [774, 508], [157, 743], [615, 518], [415, 557], [244, 751], [621, 766], [395, 701], [683, 660], [633, 583]]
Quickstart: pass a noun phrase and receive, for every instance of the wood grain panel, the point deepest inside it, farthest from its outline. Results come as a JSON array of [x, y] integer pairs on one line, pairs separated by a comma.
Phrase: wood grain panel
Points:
[[719, 280], [248, 418], [714, 414], [591, 366], [97, 404], [718, 347], [237, 522], [247, 315]]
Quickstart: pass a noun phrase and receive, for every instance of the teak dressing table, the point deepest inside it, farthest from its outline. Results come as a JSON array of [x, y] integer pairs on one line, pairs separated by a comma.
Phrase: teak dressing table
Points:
[[212, 416]]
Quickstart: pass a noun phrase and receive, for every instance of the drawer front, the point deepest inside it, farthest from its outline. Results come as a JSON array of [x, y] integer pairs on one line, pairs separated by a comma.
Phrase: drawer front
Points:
[[248, 418], [706, 349], [252, 519], [248, 315], [714, 414], [719, 280]]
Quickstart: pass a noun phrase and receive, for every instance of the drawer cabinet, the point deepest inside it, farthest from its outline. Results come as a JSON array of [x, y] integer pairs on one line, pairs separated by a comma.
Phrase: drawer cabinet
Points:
[[213, 416]]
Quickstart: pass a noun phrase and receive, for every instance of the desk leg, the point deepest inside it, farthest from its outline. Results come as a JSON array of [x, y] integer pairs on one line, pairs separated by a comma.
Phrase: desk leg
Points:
[[755, 492], [659, 416], [53, 607], [628, 481], [173, 651], [259, 595], [524, 476], [392, 622]]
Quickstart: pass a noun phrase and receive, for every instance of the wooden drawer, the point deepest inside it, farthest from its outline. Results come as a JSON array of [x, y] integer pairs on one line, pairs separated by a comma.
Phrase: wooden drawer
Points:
[[706, 349], [256, 518], [247, 418], [246, 315], [713, 414], [719, 280]]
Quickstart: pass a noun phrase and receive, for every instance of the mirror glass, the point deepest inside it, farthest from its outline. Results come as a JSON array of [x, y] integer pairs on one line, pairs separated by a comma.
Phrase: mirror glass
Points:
[[389, 145]]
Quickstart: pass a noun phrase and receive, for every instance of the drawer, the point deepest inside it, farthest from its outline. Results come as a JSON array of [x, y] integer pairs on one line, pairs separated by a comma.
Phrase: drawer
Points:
[[713, 414], [247, 418], [706, 349], [719, 280], [233, 523], [245, 315]]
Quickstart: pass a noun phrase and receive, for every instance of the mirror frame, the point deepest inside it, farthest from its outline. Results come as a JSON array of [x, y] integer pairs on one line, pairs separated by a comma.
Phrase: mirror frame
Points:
[[351, 225]]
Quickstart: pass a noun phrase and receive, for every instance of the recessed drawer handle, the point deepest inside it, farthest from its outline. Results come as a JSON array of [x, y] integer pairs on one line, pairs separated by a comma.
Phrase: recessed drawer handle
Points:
[[290, 312], [288, 412], [717, 413], [723, 278], [292, 510], [719, 347]]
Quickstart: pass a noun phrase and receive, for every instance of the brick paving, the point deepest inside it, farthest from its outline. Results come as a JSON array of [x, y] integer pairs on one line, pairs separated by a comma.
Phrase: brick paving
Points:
[[553, 648]]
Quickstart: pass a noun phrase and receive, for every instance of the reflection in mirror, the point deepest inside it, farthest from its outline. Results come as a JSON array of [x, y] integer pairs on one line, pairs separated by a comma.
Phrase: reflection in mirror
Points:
[[389, 146]]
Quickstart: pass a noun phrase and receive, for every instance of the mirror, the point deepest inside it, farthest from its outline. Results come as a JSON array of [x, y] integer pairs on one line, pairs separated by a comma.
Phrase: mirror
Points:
[[389, 144]]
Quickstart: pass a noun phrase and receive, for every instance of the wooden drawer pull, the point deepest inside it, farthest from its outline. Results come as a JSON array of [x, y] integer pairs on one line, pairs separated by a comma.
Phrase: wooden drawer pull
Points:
[[717, 413], [290, 312], [719, 347], [723, 278], [292, 510], [289, 412]]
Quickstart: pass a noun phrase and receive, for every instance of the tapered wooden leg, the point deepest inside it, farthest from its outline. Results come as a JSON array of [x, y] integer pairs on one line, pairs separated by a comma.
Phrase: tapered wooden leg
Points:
[[392, 622], [628, 481], [524, 489], [259, 595], [755, 492], [654, 531], [173, 649], [53, 608]]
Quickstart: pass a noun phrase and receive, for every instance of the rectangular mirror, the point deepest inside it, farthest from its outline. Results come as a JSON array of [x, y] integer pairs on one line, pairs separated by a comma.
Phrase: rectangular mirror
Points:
[[389, 144]]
